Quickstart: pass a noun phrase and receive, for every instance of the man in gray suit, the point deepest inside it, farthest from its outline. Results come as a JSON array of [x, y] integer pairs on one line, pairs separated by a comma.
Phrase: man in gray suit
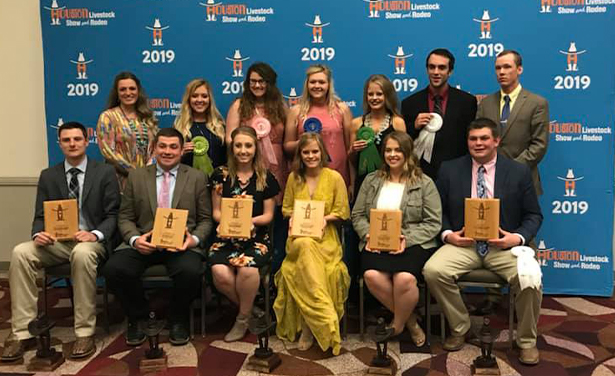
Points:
[[95, 187], [167, 184]]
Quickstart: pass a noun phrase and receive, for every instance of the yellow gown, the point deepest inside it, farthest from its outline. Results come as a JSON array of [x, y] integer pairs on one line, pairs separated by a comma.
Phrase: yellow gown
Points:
[[313, 281]]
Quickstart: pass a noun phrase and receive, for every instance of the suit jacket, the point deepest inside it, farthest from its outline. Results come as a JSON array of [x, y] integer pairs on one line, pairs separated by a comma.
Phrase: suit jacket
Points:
[[526, 135], [139, 203], [100, 198], [451, 139], [519, 209]]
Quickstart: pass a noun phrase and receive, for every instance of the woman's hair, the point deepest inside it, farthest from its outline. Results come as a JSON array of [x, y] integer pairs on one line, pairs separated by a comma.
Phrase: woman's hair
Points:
[[257, 163], [331, 100], [411, 169], [299, 167], [391, 102], [275, 109], [144, 113], [213, 118]]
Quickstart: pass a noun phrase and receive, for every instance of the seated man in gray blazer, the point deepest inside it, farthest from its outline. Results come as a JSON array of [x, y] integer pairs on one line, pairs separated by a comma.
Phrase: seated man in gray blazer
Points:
[[485, 173], [167, 184], [95, 187]]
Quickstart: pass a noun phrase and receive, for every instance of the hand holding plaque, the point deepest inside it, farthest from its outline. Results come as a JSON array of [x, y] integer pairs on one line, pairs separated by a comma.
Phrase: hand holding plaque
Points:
[[308, 219], [169, 228], [482, 218], [61, 218]]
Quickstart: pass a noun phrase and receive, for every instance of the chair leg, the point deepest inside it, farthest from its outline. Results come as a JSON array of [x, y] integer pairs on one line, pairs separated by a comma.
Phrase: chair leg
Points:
[[203, 304], [511, 314], [106, 307], [361, 309], [45, 293], [70, 291], [191, 315], [266, 281], [427, 298]]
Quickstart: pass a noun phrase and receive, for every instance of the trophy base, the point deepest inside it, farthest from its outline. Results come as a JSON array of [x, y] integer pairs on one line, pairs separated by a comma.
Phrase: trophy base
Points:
[[383, 369], [265, 365], [153, 365], [46, 364], [485, 370]]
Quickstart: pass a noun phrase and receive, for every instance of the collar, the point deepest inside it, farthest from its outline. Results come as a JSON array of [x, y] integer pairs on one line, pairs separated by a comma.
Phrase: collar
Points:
[[513, 95], [173, 171], [432, 93], [81, 166], [489, 165]]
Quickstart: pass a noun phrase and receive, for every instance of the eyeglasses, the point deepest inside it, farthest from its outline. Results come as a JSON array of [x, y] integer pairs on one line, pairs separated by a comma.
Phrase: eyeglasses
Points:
[[260, 82]]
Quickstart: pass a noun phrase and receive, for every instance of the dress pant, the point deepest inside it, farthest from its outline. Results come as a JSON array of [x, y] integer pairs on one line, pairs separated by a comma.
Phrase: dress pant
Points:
[[28, 258], [123, 273], [450, 262]]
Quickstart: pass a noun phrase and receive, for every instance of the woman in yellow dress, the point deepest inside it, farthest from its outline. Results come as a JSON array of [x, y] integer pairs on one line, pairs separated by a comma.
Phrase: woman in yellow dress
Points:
[[313, 281]]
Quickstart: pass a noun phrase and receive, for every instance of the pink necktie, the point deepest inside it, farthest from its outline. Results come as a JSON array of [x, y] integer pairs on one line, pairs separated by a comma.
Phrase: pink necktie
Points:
[[163, 195]]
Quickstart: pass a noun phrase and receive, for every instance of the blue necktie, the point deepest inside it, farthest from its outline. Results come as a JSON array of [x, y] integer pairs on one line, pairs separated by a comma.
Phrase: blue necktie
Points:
[[481, 246], [505, 111]]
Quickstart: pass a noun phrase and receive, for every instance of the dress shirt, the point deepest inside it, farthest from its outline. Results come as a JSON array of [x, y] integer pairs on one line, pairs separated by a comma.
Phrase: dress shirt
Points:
[[84, 222], [513, 97], [430, 99]]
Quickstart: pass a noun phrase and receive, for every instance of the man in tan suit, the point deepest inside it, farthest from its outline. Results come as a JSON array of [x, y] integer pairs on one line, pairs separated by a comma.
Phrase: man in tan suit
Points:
[[166, 184]]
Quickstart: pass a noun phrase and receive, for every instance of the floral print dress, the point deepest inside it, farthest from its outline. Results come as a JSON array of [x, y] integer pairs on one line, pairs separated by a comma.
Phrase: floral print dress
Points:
[[234, 252]]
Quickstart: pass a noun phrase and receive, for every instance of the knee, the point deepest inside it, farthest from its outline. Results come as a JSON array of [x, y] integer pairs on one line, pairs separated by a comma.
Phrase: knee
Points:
[[371, 276], [84, 253], [22, 252], [116, 270], [223, 276], [405, 281], [431, 272]]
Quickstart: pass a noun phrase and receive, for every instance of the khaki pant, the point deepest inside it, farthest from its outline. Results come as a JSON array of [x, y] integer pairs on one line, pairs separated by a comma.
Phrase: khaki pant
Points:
[[27, 259], [450, 262]]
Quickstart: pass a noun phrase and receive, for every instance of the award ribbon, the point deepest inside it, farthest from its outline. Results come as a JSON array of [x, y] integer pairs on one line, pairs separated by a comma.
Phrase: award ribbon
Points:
[[313, 125], [262, 126], [201, 160], [423, 145], [369, 159]]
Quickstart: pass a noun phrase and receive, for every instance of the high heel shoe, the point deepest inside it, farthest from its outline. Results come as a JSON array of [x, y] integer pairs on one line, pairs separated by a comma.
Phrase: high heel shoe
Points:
[[306, 340], [416, 332]]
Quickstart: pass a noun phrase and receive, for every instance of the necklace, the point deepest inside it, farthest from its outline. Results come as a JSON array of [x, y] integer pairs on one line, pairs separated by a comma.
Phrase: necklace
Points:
[[383, 126], [141, 137]]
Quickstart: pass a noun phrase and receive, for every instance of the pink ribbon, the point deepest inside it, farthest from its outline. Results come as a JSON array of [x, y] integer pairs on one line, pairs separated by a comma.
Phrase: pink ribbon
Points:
[[262, 127]]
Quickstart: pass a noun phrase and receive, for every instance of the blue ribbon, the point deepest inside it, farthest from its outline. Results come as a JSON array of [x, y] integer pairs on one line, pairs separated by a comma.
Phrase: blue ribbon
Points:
[[313, 125]]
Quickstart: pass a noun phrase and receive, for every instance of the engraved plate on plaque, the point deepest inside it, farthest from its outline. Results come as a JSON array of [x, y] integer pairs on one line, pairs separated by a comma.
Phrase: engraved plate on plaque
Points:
[[236, 217], [61, 218], [308, 218], [384, 229], [169, 228]]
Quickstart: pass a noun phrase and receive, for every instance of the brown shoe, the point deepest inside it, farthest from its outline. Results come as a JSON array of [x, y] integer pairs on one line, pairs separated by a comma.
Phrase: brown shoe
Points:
[[529, 356], [454, 343], [83, 347], [15, 348]]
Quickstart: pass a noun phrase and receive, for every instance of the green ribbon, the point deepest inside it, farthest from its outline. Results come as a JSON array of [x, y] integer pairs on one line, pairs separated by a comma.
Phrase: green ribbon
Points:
[[369, 159], [201, 160]]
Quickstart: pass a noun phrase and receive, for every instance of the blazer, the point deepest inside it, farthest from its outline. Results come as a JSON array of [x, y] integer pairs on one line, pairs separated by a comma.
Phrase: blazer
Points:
[[139, 203], [420, 206], [526, 135], [451, 139], [519, 209], [100, 198]]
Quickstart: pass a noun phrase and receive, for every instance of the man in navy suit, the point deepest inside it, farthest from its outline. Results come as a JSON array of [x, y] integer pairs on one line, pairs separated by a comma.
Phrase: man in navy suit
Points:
[[456, 107], [96, 189], [485, 173]]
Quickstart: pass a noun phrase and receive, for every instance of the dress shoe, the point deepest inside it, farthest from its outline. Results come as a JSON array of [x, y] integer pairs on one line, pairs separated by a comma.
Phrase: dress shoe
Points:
[[239, 329], [454, 343], [134, 334], [179, 334], [15, 348], [416, 332], [83, 347], [488, 307], [529, 356]]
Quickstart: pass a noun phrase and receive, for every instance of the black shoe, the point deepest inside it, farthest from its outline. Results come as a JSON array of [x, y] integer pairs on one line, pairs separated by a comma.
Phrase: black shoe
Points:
[[134, 334], [179, 334], [488, 307]]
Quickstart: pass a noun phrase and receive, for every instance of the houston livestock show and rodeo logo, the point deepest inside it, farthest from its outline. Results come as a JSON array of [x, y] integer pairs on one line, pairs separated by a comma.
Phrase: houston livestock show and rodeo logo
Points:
[[400, 9], [218, 11], [570, 7], [60, 15]]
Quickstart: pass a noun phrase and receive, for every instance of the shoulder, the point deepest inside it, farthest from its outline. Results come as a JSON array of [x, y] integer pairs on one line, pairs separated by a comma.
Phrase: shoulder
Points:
[[463, 95], [294, 110], [357, 122], [454, 164], [415, 96], [343, 106], [534, 97], [512, 166], [57, 169], [332, 175], [235, 105], [101, 168], [399, 124], [372, 177], [426, 181], [490, 99]]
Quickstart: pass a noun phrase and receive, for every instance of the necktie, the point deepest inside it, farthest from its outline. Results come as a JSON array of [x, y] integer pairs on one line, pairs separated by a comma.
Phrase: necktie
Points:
[[481, 246], [437, 105], [73, 186], [163, 195], [505, 111]]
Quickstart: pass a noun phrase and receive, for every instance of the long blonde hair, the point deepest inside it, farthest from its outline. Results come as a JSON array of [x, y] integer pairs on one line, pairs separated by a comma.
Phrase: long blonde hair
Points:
[[390, 95], [411, 170], [214, 120], [299, 167], [305, 101], [257, 162]]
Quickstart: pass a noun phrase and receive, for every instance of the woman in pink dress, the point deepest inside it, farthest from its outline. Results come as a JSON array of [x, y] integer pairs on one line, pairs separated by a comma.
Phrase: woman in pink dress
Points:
[[320, 110]]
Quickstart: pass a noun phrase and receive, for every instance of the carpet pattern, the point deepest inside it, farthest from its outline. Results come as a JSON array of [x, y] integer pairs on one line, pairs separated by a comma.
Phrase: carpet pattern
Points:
[[576, 338]]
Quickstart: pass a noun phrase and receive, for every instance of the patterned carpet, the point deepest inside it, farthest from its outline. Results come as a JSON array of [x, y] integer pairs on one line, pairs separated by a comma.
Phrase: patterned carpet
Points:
[[576, 338]]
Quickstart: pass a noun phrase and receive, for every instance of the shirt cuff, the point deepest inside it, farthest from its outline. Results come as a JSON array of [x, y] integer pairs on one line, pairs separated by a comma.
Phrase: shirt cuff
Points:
[[35, 235], [522, 238], [196, 239], [132, 241], [445, 233], [99, 235]]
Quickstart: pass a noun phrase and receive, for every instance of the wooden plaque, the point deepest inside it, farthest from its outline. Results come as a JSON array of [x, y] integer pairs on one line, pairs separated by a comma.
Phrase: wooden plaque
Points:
[[236, 217], [61, 218], [169, 228], [482, 218], [308, 217], [384, 229]]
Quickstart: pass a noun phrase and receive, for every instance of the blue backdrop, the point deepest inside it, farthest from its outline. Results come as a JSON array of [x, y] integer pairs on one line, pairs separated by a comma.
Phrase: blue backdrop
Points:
[[166, 43]]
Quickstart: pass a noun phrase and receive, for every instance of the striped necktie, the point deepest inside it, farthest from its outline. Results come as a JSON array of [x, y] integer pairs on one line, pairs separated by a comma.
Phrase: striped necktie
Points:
[[505, 111], [73, 186], [481, 246]]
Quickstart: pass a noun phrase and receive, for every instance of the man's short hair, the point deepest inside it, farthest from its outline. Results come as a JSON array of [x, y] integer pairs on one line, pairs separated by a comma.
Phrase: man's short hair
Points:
[[73, 125], [516, 56], [169, 132], [481, 123], [444, 53]]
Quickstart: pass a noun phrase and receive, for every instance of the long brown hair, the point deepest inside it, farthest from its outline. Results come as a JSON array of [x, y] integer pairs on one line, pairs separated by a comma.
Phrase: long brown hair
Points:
[[144, 113], [299, 167], [411, 169], [275, 109], [390, 95], [214, 120], [257, 162]]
